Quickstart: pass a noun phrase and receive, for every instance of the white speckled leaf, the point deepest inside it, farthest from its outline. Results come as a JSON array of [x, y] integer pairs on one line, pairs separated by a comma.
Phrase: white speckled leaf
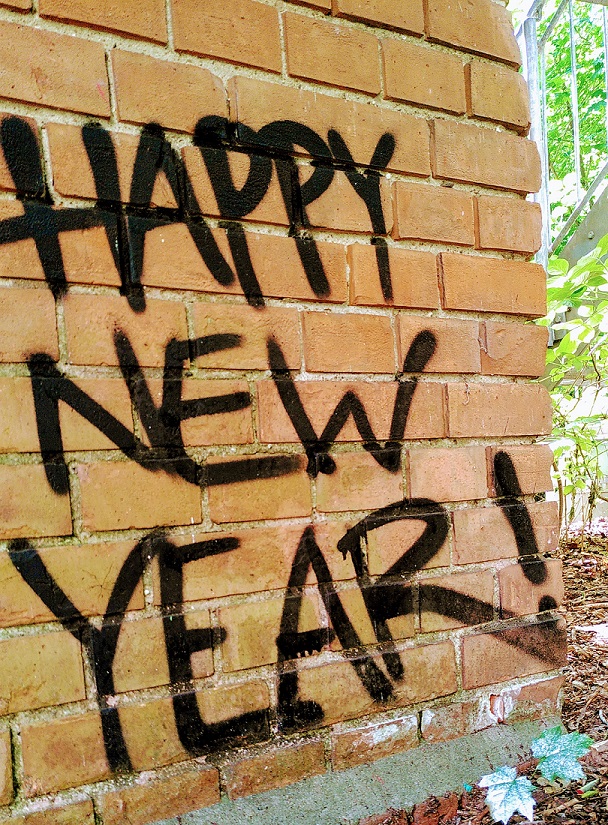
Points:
[[508, 793], [558, 753]]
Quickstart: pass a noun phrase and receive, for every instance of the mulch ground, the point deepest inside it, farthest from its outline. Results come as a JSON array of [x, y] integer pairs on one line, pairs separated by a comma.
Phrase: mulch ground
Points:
[[585, 707]]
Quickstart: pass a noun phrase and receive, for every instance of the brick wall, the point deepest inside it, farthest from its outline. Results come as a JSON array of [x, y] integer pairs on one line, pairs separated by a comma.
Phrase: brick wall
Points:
[[270, 488]]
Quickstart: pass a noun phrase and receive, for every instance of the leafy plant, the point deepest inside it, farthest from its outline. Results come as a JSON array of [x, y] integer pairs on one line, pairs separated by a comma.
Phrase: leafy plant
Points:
[[508, 794]]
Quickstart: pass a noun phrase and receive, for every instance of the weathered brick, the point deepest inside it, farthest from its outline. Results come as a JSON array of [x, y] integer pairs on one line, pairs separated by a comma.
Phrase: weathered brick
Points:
[[442, 609], [361, 125], [275, 769], [32, 187], [56, 70], [528, 701], [498, 93], [423, 76], [145, 20], [350, 748], [513, 349], [18, 5], [448, 473], [240, 31], [63, 753], [456, 342], [358, 483], [29, 507], [79, 814], [336, 55], [27, 324], [406, 15], [348, 343], [498, 410], [434, 213], [532, 464], [509, 223], [492, 285], [341, 208], [6, 769], [172, 94], [483, 27], [531, 586], [508, 654], [464, 152], [413, 278], [448, 722], [161, 798], [388, 544]]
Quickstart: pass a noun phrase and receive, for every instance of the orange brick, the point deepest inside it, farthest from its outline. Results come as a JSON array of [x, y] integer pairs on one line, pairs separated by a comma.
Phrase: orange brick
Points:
[[407, 15], [331, 54], [358, 483], [341, 208], [92, 320], [532, 464], [356, 747], [87, 257], [361, 125], [63, 753], [457, 342], [323, 5], [386, 545], [498, 410], [468, 153], [510, 224], [279, 767], [484, 534], [513, 349], [18, 431], [483, 27], [265, 497], [240, 31], [19, 257], [528, 701], [492, 285], [423, 76], [434, 213], [355, 607], [27, 324], [161, 798], [448, 722], [498, 93], [509, 654], [448, 473], [6, 181], [29, 507], [75, 78], [348, 343], [6, 769], [254, 328], [39, 671], [145, 20], [122, 495], [86, 574], [19, 5], [441, 610], [79, 814], [523, 591], [413, 277], [172, 94]]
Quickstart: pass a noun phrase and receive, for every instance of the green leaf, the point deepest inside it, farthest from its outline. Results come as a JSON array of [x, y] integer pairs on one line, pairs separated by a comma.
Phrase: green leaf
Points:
[[508, 793], [558, 753]]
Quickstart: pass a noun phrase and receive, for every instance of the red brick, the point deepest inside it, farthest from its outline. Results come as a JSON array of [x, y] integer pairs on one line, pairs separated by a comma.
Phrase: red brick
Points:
[[406, 15], [331, 54], [513, 349], [457, 342], [358, 483], [18, 431], [483, 27], [468, 153], [423, 76], [532, 463], [341, 208], [528, 701], [484, 534], [255, 328], [449, 722], [6, 769], [19, 257], [493, 285], [87, 257], [145, 20], [498, 93], [510, 224], [353, 602], [433, 213], [92, 320], [387, 544], [265, 497], [476, 586], [498, 410], [363, 745], [361, 125], [161, 798], [79, 814], [348, 343], [522, 590], [511, 653], [448, 473], [320, 399], [240, 31], [55, 70], [275, 769], [27, 324], [29, 506], [63, 753], [6, 180], [413, 277], [172, 94]]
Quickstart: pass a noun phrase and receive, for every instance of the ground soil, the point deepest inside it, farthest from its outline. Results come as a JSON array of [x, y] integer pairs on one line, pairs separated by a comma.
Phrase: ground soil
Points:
[[585, 709]]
